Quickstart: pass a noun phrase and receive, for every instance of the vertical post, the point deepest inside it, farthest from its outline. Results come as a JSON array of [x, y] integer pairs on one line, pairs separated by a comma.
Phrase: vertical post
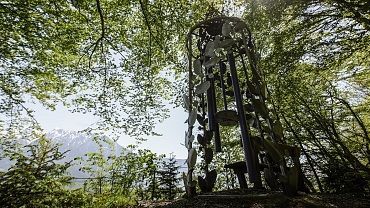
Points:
[[247, 144], [212, 109], [100, 185], [241, 178], [85, 184], [154, 184], [112, 182], [222, 72]]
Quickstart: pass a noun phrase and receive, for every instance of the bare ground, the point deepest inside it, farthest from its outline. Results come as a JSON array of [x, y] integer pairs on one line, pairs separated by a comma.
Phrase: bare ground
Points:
[[258, 199]]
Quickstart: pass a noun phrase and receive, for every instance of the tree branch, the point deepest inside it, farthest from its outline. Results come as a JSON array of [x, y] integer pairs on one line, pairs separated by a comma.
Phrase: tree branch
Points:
[[102, 35], [147, 23]]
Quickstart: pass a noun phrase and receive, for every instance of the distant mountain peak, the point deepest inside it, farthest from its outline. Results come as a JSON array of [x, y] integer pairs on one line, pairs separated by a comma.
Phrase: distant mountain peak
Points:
[[80, 141], [61, 133]]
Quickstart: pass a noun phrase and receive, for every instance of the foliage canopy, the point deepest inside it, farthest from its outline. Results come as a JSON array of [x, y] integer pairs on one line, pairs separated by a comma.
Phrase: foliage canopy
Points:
[[124, 60]]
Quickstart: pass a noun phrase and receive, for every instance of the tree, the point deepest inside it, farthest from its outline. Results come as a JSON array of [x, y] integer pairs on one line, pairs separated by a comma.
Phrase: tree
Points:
[[94, 56], [169, 178], [313, 58], [123, 60], [37, 178], [149, 185]]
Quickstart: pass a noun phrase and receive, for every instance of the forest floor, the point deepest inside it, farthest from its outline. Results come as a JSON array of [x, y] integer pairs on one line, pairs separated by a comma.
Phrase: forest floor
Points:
[[236, 198]]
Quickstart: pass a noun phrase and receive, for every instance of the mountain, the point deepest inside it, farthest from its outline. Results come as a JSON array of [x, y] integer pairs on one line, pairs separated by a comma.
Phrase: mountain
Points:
[[78, 144], [75, 144]]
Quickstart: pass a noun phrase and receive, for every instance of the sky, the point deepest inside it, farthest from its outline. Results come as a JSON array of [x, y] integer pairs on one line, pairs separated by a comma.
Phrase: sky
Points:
[[172, 129]]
